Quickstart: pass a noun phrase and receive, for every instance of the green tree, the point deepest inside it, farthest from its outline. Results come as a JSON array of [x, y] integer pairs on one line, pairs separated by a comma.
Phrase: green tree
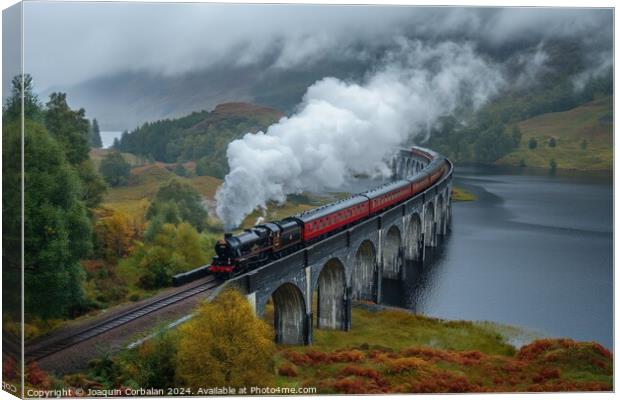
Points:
[[57, 229], [95, 135], [532, 143], [115, 169], [13, 106], [180, 169], [552, 142], [188, 244], [184, 198], [93, 186], [553, 166], [153, 363], [68, 127], [168, 250], [227, 339]]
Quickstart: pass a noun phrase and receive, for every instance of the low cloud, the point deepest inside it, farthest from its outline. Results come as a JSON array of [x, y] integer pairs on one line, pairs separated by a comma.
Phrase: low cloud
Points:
[[71, 42], [345, 128]]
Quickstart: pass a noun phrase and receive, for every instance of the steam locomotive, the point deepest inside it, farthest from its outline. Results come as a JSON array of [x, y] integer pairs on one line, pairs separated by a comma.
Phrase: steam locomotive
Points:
[[266, 242]]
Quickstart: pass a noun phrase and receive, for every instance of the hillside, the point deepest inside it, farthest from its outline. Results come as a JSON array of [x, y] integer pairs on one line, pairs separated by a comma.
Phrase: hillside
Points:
[[398, 352], [129, 98], [201, 136], [583, 138]]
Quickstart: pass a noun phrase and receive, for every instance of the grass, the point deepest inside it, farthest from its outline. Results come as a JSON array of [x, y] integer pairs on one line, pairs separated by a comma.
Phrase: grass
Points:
[[143, 184], [98, 154], [583, 135], [399, 352], [459, 194]]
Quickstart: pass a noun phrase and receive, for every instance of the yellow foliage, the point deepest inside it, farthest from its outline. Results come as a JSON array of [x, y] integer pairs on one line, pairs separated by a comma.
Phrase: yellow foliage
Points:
[[116, 233], [225, 344]]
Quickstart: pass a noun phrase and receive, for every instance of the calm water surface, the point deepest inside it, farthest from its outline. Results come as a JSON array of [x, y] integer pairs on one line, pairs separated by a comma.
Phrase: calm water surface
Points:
[[533, 251]]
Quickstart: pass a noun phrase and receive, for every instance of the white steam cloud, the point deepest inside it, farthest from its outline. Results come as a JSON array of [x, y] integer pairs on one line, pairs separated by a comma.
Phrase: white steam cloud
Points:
[[342, 128]]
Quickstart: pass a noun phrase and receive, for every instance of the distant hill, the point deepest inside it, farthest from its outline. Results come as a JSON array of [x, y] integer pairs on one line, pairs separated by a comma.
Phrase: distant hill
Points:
[[128, 99], [201, 136], [583, 138]]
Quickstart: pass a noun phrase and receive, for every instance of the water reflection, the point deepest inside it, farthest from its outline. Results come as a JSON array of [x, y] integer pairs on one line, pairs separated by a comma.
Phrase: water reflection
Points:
[[533, 251]]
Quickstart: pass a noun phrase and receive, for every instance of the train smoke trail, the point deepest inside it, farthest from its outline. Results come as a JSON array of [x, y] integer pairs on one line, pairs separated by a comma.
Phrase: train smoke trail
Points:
[[342, 128]]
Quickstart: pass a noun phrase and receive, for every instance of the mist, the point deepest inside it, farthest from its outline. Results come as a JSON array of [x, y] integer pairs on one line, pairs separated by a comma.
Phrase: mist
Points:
[[101, 39], [343, 129]]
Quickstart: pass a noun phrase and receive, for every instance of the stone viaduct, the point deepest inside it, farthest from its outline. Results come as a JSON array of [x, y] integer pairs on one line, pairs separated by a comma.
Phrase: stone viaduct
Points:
[[351, 264]]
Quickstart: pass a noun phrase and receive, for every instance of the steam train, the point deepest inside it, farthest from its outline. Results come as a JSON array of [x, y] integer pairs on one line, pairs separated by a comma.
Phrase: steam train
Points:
[[266, 242]]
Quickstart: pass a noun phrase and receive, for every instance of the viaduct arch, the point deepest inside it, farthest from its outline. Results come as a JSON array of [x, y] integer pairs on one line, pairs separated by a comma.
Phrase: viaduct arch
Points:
[[351, 264]]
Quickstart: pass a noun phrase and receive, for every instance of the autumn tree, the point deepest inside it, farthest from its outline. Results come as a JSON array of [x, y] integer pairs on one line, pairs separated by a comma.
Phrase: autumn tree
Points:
[[115, 235], [225, 344]]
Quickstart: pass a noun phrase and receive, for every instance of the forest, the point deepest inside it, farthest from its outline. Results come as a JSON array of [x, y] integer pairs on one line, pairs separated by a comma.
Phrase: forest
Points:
[[80, 255], [493, 132]]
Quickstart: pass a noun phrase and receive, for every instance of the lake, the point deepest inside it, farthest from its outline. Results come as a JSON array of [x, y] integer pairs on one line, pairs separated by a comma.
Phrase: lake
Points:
[[534, 251], [107, 137]]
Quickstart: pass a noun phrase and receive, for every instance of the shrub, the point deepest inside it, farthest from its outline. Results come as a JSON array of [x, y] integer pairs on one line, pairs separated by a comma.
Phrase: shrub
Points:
[[9, 368], [348, 356], [115, 169], [81, 381], [287, 369], [552, 142], [407, 364], [540, 347], [553, 165], [152, 364], [350, 386], [36, 376], [225, 344], [444, 382], [546, 374], [355, 370], [532, 143]]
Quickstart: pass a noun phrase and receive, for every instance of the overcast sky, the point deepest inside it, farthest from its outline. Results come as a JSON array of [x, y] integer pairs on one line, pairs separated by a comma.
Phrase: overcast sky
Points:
[[66, 43]]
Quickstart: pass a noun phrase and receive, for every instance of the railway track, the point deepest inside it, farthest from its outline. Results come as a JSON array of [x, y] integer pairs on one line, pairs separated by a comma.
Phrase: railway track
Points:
[[51, 345]]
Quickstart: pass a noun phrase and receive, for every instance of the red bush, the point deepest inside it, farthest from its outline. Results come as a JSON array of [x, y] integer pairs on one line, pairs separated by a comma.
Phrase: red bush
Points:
[[297, 358], [602, 351], [401, 365], [546, 374], [36, 376], [360, 371], [538, 347], [428, 354], [287, 369], [314, 357], [347, 356], [444, 382], [470, 357], [562, 385], [9, 368], [350, 386]]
